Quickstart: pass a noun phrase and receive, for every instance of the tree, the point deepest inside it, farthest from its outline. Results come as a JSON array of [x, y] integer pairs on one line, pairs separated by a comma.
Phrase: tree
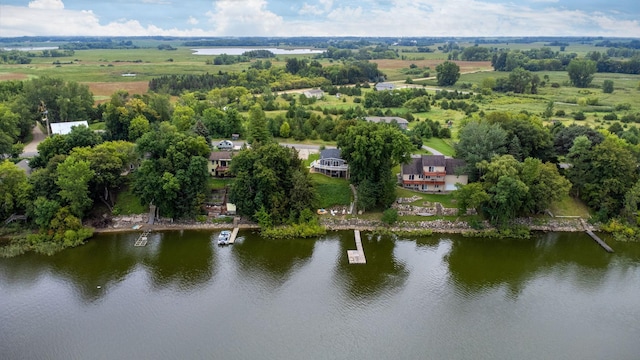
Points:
[[607, 86], [174, 175], [9, 129], [448, 73], [372, 150], [14, 189], [285, 130], [480, 141], [73, 179], [519, 80], [258, 130], [468, 196], [581, 72], [271, 177]]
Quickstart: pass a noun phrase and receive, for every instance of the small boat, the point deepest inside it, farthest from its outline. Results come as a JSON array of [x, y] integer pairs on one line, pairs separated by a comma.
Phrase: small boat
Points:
[[223, 238]]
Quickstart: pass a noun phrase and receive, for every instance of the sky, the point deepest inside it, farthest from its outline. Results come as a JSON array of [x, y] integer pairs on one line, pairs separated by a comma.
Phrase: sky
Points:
[[385, 18]]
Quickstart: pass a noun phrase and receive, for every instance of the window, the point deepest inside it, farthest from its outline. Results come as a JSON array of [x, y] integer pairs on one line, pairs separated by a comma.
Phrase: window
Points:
[[411, 177], [432, 168]]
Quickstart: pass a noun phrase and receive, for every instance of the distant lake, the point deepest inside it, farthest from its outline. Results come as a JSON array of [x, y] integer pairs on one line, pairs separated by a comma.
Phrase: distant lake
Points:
[[33, 48], [240, 51]]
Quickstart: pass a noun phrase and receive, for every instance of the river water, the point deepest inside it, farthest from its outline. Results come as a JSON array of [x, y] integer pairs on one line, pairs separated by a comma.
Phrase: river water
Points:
[[557, 296]]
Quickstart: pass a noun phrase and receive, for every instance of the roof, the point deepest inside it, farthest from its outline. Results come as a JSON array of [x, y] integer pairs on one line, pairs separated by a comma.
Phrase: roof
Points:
[[454, 165], [385, 85], [24, 165], [314, 92], [63, 128], [221, 155], [330, 153], [387, 119], [433, 160], [416, 165]]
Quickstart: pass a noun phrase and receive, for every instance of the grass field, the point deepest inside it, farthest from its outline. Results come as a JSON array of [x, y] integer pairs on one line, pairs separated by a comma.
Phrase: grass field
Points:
[[332, 191], [128, 203]]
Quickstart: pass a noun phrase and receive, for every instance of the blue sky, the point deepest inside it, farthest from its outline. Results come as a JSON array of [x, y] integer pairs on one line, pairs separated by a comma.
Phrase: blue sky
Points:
[[393, 18]]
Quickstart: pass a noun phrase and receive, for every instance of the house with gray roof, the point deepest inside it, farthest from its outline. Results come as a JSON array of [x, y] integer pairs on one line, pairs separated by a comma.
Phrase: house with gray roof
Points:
[[433, 173], [384, 86], [331, 164], [402, 123]]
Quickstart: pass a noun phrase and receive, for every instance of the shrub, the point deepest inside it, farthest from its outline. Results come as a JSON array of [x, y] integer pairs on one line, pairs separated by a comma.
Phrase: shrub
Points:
[[390, 216], [607, 86], [560, 113], [579, 116], [610, 116]]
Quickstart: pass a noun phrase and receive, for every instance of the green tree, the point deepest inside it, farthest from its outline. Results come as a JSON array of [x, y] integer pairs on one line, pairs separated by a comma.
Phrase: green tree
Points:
[[581, 72], [273, 178], [139, 126], [520, 80], [14, 189], [9, 129], [480, 141], [372, 150], [285, 130], [607, 86], [258, 130], [448, 73], [469, 196], [73, 179]]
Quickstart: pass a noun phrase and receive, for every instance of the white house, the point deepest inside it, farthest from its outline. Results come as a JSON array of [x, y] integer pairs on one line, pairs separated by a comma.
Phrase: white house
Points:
[[314, 93], [63, 128]]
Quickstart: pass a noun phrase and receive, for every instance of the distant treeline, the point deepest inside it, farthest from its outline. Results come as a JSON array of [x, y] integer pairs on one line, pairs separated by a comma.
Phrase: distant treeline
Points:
[[24, 57], [545, 59], [297, 74], [102, 44]]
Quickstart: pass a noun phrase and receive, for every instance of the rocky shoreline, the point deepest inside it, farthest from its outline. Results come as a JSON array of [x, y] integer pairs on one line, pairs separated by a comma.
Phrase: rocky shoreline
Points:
[[139, 222]]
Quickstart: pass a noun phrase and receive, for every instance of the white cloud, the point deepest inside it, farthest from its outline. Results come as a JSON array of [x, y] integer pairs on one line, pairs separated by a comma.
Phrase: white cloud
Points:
[[46, 4], [192, 21], [331, 18], [245, 18]]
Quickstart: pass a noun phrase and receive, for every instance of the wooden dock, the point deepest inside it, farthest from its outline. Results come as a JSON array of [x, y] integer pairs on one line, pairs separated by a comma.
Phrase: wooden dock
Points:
[[595, 237], [234, 234], [599, 241], [143, 238], [357, 256]]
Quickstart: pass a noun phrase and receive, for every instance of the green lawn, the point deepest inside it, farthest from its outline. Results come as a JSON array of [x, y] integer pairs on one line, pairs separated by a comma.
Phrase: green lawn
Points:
[[219, 183], [332, 191], [570, 206], [445, 199], [443, 145], [128, 203]]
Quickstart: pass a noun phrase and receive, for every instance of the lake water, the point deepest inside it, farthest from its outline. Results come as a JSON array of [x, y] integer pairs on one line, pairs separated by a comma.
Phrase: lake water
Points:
[[557, 296], [240, 51], [33, 48]]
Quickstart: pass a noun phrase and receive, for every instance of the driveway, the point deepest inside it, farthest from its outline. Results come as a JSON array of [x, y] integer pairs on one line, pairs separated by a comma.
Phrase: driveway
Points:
[[31, 149]]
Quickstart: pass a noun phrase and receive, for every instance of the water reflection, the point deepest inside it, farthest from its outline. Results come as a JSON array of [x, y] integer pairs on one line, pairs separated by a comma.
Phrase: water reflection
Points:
[[273, 261], [181, 260], [380, 275], [477, 264]]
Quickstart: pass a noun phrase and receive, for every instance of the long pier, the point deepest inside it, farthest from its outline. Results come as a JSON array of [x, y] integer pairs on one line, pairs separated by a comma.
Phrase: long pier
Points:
[[596, 237], [234, 234], [143, 238], [599, 241], [357, 256]]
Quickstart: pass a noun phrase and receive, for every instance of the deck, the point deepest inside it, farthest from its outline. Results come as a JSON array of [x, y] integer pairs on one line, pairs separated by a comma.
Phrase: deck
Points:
[[234, 234], [143, 238], [357, 256]]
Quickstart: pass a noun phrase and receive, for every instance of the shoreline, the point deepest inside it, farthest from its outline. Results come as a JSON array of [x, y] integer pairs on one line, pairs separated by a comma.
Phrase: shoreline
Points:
[[134, 224]]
